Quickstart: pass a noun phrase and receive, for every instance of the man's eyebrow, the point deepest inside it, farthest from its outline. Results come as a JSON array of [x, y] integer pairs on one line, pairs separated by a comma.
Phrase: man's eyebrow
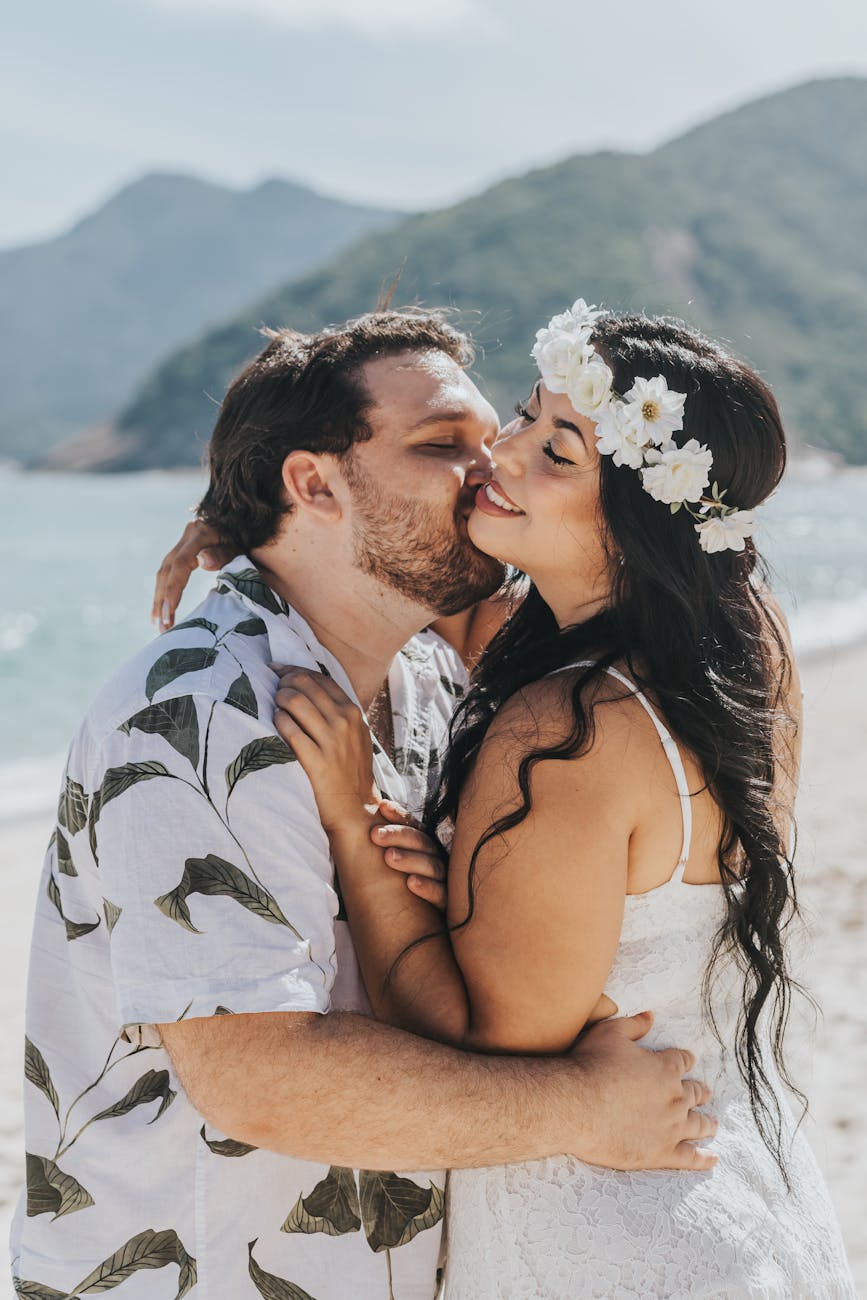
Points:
[[441, 417]]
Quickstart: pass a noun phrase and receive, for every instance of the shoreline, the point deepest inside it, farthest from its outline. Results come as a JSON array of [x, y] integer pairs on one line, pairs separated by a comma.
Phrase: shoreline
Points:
[[829, 1062]]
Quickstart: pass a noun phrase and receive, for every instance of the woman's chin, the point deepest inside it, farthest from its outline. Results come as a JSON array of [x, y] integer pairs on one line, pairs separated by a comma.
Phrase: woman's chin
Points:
[[487, 537]]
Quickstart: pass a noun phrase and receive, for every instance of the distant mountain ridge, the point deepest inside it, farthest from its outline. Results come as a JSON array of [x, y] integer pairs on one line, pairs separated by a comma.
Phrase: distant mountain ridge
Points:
[[752, 226], [85, 316]]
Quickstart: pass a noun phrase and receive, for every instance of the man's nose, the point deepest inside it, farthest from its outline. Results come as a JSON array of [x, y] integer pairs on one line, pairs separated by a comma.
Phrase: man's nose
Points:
[[479, 468]]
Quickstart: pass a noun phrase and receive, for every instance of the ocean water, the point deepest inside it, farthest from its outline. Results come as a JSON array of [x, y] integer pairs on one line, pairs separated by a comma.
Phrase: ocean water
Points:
[[82, 552]]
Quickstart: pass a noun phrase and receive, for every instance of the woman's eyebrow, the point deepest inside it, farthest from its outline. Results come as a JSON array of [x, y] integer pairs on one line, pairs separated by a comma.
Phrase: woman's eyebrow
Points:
[[564, 424]]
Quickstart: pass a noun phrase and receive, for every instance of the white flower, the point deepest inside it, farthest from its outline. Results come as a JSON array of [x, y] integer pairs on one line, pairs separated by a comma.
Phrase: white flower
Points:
[[579, 319], [589, 387], [677, 474], [651, 404], [617, 437], [557, 355], [727, 533]]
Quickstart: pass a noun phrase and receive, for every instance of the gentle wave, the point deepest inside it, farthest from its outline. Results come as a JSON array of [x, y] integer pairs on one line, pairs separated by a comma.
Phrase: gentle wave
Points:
[[29, 787]]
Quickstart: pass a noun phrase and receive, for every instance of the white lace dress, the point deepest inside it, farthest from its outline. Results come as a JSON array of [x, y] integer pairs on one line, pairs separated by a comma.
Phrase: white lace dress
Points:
[[557, 1228]]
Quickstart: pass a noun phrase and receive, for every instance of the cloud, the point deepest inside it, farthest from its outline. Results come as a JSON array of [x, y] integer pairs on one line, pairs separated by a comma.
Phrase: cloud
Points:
[[370, 16]]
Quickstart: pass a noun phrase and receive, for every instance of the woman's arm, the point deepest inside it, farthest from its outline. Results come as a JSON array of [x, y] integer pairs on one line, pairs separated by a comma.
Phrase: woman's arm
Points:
[[527, 971]]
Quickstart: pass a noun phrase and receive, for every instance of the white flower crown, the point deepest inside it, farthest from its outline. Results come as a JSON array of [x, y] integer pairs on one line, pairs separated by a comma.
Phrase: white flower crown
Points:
[[636, 429]]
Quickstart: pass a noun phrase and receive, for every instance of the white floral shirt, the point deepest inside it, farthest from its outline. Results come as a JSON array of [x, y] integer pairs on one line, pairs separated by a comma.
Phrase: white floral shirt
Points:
[[189, 875]]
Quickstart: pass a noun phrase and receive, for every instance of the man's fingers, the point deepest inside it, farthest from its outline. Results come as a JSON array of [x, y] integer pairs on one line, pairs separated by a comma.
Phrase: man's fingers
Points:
[[678, 1057], [416, 864], [699, 1126], [405, 837], [686, 1156], [430, 890], [633, 1027], [392, 812], [696, 1093]]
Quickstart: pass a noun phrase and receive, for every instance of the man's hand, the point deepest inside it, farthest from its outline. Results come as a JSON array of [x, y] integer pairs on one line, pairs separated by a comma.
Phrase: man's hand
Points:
[[408, 849], [644, 1110], [200, 547]]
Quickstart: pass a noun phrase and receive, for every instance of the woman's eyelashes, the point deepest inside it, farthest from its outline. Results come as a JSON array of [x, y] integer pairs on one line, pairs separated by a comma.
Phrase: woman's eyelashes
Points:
[[548, 450]]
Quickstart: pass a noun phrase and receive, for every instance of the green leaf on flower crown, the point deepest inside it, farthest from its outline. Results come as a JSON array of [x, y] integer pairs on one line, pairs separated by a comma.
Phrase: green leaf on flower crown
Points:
[[37, 1072], [72, 807], [176, 720], [146, 1250], [214, 876], [175, 663], [242, 696], [226, 1146], [395, 1209], [271, 1287], [51, 1191], [261, 753], [332, 1207], [152, 1086], [675, 506]]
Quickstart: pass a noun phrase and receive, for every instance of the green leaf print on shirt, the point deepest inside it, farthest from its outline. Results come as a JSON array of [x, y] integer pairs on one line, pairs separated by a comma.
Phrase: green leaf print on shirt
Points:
[[118, 780], [271, 1287], [175, 720], [37, 1291], [226, 1146], [51, 1191], [150, 1087], [249, 627], [213, 876], [148, 1249], [332, 1207], [395, 1209], [174, 663], [259, 754], [36, 1070], [242, 696], [391, 1209], [249, 582], [72, 807], [65, 865], [74, 929]]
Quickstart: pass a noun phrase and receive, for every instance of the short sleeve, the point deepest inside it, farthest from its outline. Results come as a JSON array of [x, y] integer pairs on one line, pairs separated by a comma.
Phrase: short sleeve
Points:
[[215, 866]]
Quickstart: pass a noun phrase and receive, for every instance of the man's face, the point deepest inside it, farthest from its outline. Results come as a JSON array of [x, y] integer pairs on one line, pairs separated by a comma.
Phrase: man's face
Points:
[[413, 483]]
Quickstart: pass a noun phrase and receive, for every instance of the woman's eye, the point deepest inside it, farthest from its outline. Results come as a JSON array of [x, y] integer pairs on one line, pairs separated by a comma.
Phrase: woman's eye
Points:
[[549, 451], [521, 410]]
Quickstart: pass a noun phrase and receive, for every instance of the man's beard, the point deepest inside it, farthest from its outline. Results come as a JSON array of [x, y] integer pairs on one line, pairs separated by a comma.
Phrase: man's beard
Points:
[[412, 549]]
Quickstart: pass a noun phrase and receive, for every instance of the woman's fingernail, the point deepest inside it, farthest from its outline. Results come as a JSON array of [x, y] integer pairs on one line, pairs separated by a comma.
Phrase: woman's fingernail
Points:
[[166, 614], [393, 855]]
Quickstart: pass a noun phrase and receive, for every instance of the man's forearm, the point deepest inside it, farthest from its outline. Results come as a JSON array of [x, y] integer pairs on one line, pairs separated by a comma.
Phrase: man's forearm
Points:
[[344, 1089]]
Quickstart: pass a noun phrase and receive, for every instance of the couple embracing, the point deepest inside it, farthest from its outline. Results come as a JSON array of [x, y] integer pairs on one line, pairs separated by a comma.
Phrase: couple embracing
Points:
[[267, 1010]]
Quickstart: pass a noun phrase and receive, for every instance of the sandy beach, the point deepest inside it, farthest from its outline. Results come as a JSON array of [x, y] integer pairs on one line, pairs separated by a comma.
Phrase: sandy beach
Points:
[[830, 1059]]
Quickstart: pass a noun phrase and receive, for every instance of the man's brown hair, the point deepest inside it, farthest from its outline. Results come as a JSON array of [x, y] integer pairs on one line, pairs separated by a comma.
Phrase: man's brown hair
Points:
[[303, 392]]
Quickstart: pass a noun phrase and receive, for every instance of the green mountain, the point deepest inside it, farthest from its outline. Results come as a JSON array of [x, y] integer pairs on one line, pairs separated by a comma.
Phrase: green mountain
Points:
[[86, 316], [753, 226]]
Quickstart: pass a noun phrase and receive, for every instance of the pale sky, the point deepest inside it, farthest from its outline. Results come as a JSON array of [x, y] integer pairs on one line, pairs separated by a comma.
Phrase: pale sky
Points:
[[406, 103]]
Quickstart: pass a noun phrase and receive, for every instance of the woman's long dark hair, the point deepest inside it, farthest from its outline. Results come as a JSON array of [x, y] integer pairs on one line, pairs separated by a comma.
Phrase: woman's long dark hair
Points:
[[693, 630]]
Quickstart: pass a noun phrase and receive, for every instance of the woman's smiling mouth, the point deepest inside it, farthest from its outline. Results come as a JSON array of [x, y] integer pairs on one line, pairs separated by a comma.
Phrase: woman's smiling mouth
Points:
[[491, 500]]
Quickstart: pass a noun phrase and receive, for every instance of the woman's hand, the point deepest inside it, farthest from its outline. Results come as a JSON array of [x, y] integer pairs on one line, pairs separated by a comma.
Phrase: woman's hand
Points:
[[200, 547], [331, 741], [410, 850]]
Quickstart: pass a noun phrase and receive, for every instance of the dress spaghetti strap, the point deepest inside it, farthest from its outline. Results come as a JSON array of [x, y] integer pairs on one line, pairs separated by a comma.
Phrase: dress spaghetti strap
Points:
[[673, 754]]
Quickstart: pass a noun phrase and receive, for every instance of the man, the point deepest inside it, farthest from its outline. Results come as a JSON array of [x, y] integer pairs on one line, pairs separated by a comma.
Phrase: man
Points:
[[189, 1101]]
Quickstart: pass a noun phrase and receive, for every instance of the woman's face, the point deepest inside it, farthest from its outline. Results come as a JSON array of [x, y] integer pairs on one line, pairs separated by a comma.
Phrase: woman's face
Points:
[[541, 512]]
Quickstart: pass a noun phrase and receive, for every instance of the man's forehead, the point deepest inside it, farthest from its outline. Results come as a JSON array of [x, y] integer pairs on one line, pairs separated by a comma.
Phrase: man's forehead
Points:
[[415, 386]]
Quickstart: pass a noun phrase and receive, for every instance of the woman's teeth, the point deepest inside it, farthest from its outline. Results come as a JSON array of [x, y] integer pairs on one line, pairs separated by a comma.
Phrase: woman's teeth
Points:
[[494, 496]]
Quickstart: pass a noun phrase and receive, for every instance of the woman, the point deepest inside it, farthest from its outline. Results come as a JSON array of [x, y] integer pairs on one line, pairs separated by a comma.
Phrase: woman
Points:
[[620, 784]]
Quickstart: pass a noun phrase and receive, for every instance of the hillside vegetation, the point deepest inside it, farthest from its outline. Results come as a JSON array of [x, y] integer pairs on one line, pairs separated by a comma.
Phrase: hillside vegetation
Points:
[[753, 226], [85, 317]]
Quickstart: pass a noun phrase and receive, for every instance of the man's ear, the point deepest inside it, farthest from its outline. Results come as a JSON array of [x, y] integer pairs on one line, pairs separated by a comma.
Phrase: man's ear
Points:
[[308, 480]]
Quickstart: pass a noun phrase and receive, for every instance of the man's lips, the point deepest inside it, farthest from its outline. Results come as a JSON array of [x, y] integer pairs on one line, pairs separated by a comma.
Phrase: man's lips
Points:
[[492, 500]]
